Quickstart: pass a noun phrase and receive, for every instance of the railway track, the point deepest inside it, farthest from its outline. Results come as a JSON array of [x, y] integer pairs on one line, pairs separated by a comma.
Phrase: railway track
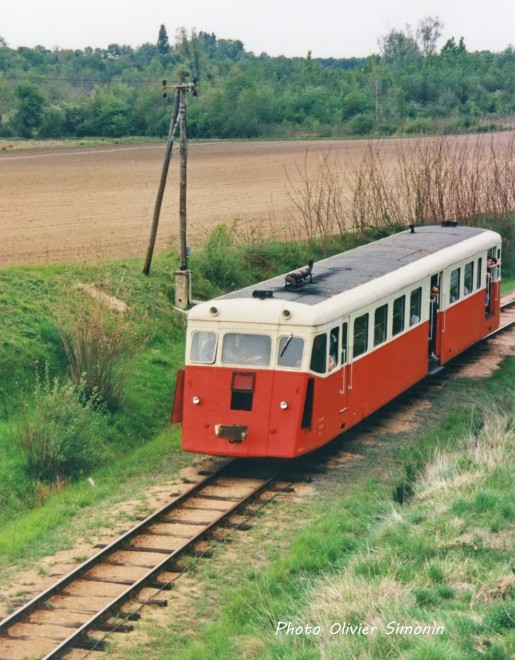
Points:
[[140, 565], [78, 610]]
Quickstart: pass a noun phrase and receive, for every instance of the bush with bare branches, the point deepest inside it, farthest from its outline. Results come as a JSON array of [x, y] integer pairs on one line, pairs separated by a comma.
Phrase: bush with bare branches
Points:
[[435, 179], [427, 180], [319, 201]]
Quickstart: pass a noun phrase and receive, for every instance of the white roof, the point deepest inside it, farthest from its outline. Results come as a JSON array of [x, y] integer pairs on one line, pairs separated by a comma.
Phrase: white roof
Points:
[[351, 280]]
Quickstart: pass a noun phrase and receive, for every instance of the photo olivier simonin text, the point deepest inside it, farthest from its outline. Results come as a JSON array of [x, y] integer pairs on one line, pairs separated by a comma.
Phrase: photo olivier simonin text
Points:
[[346, 628]]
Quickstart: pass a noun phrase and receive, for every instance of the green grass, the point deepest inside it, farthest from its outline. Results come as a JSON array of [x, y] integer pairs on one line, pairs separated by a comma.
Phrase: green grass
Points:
[[54, 524], [30, 301], [350, 529]]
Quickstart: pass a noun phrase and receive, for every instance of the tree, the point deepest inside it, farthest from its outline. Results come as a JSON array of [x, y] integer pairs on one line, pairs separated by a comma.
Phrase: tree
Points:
[[450, 48], [428, 32], [163, 45], [399, 49], [29, 111]]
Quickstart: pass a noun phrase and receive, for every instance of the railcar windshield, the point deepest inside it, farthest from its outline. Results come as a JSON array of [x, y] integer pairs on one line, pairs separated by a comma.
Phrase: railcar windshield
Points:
[[203, 347], [239, 348], [291, 350]]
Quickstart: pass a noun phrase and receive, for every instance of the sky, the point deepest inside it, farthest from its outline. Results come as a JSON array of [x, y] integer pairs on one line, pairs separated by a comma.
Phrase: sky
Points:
[[327, 28]]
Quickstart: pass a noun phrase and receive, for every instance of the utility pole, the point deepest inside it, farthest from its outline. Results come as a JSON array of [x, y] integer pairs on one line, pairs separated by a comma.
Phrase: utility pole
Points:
[[182, 276]]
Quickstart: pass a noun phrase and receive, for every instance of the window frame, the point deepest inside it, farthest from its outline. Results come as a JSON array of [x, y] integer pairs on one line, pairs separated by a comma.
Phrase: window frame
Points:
[[415, 292], [193, 346], [470, 267], [363, 333], [402, 316], [454, 285], [290, 338], [313, 366], [246, 363], [382, 324]]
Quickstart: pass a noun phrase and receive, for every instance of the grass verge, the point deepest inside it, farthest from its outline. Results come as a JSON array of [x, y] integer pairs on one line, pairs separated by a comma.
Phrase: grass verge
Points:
[[431, 577]]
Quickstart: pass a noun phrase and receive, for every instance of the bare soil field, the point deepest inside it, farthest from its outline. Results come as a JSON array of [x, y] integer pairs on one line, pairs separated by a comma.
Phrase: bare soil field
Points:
[[82, 204]]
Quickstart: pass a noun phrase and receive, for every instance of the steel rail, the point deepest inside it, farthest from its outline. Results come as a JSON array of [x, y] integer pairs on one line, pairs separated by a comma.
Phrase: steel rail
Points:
[[76, 573], [78, 638], [116, 603]]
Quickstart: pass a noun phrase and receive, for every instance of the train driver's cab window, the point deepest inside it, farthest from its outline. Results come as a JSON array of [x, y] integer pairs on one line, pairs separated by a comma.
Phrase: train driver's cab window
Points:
[[399, 315], [360, 335], [203, 347], [415, 306], [318, 362], [479, 271], [246, 349], [468, 282], [291, 350], [380, 320], [454, 288]]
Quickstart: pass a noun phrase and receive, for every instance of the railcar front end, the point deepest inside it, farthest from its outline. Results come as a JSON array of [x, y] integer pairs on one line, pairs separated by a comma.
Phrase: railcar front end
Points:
[[246, 391]]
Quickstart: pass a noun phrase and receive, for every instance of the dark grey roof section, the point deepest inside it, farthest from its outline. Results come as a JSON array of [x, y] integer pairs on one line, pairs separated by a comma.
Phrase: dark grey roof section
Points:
[[350, 269]]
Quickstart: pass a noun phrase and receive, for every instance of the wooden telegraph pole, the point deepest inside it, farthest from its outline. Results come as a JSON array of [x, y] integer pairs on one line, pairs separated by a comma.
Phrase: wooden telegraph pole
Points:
[[182, 276]]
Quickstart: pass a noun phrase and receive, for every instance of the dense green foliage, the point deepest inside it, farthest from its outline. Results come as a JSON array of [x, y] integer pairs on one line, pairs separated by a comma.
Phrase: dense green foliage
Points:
[[409, 87], [64, 434]]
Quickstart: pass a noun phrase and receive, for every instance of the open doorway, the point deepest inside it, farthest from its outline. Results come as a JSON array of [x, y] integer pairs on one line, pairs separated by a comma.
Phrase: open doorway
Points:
[[434, 306]]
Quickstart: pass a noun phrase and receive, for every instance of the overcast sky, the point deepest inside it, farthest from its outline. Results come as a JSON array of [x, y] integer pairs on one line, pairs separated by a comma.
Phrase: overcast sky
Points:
[[329, 28]]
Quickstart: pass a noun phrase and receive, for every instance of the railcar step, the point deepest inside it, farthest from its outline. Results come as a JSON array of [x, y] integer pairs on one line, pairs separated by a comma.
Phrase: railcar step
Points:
[[435, 370]]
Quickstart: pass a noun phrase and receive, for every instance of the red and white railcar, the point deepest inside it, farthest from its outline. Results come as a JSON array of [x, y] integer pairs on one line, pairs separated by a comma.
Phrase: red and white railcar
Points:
[[283, 367]]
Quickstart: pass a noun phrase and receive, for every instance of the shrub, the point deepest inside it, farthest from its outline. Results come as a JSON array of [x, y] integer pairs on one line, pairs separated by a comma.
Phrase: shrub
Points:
[[100, 346], [221, 261], [64, 434]]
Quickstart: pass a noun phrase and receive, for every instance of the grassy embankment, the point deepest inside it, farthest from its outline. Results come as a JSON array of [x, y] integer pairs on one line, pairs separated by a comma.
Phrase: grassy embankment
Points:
[[404, 559], [33, 301]]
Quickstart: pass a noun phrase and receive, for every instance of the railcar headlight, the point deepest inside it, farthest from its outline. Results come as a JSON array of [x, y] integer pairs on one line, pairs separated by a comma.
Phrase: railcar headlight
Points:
[[196, 400], [283, 405]]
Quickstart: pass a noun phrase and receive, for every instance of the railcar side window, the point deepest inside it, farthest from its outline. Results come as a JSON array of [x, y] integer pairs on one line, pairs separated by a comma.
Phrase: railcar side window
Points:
[[415, 306], [479, 271], [454, 289], [291, 350], [319, 354], [203, 347], [344, 343], [469, 278], [246, 349], [380, 320], [360, 335], [399, 309], [334, 337]]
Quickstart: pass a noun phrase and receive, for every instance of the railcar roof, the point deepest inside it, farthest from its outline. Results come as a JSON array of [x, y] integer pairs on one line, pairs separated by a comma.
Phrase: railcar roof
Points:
[[350, 269]]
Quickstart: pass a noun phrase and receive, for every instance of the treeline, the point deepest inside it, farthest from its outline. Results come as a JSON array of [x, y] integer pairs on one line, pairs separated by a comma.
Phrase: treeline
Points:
[[409, 87]]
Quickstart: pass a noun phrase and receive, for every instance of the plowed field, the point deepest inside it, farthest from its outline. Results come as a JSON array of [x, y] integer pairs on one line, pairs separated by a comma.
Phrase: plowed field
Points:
[[91, 203]]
